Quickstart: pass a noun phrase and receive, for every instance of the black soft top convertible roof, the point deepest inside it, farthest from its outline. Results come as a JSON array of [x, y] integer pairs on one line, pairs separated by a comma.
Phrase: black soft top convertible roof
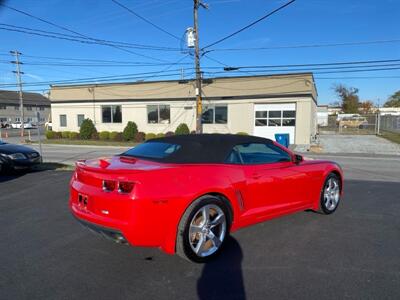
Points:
[[205, 148]]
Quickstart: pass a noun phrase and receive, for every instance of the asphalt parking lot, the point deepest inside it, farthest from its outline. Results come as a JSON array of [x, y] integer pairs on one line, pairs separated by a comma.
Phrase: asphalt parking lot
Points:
[[46, 254]]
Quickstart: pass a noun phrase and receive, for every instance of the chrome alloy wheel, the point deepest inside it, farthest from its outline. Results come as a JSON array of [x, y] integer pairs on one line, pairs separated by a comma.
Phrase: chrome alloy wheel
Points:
[[331, 193], [207, 230]]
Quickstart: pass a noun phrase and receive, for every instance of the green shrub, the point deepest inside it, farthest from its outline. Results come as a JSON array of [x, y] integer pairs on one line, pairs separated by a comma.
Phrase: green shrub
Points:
[[104, 135], [150, 136], [182, 129], [50, 135], [169, 133], [74, 135], [65, 134], [54, 135], [87, 130], [139, 137], [242, 133], [115, 136], [160, 135], [130, 131]]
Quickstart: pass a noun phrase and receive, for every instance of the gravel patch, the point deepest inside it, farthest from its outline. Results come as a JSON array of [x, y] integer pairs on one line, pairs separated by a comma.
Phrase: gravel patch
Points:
[[367, 144]]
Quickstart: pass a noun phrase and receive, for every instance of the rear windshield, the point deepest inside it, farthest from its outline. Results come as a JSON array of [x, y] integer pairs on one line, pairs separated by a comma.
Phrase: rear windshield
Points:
[[153, 150]]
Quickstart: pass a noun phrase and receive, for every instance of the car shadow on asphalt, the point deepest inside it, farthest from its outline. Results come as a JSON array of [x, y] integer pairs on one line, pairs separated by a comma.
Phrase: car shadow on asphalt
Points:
[[222, 277], [10, 176], [15, 174]]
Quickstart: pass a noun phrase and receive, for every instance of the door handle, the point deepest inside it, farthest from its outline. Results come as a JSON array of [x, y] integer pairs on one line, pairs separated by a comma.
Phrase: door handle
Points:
[[256, 175]]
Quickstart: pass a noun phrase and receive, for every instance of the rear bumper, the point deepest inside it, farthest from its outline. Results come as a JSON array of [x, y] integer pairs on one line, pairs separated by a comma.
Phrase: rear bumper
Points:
[[108, 233], [125, 219]]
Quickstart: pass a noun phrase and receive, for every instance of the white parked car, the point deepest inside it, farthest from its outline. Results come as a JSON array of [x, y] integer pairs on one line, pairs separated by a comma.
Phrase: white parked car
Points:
[[27, 125], [48, 125]]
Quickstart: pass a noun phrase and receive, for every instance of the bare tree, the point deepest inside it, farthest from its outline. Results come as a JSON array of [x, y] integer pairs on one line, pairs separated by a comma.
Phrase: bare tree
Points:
[[349, 98]]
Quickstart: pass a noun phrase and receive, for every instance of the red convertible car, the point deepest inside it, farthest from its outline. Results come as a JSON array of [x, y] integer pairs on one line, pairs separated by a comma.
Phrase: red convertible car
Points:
[[186, 193]]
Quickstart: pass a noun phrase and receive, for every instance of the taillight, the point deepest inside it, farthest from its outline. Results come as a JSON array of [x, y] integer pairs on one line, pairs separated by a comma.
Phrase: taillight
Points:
[[108, 185], [125, 187]]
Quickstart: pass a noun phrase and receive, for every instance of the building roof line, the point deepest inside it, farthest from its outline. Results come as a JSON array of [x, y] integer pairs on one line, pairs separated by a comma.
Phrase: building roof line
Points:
[[300, 74], [184, 99]]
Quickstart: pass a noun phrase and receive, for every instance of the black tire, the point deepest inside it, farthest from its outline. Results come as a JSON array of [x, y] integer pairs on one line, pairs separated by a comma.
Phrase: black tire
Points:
[[183, 245], [324, 208]]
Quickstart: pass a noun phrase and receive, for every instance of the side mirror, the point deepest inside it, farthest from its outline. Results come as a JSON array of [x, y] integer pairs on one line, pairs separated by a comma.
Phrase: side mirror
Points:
[[298, 158]]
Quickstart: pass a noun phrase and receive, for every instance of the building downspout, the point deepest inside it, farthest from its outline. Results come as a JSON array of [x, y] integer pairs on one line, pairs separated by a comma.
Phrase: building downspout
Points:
[[92, 91]]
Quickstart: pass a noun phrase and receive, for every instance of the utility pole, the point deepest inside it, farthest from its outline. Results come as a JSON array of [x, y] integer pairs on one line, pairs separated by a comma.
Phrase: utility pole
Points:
[[19, 82], [378, 116], [199, 106]]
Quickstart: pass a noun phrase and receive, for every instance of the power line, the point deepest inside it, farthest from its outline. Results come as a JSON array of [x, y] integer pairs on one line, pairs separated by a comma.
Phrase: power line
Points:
[[250, 25], [157, 74], [321, 45], [145, 20], [135, 63], [356, 71], [114, 77], [316, 64], [221, 63], [34, 63], [317, 72], [78, 38], [87, 59], [94, 80], [316, 69], [358, 77], [74, 32]]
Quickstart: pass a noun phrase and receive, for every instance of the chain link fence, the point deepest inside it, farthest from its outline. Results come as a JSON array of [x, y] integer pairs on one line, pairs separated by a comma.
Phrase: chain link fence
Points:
[[390, 123], [357, 124]]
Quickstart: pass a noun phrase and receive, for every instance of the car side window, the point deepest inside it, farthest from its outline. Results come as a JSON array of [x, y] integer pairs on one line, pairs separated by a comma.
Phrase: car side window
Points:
[[234, 157], [257, 153]]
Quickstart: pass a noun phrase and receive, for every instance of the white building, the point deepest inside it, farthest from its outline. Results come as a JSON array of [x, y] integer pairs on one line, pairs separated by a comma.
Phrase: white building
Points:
[[257, 105], [322, 115]]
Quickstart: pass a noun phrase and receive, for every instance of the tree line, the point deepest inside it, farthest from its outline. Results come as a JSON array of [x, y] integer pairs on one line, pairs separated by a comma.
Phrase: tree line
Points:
[[350, 101]]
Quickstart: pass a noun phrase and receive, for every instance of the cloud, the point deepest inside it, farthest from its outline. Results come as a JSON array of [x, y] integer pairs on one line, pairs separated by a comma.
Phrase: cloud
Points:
[[36, 77]]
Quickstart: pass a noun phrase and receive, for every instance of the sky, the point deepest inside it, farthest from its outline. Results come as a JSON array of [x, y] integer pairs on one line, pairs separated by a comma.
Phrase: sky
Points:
[[304, 23]]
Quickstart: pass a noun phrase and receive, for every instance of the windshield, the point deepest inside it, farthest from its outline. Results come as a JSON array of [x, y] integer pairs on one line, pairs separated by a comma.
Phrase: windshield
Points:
[[155, 150]]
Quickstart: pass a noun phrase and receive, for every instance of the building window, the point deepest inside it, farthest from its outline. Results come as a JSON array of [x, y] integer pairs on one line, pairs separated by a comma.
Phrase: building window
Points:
[[3, 106], [29, 108], [215, 114], [63, 120], [41, 119], [111, 114], [17, 119], [80, 119], [41, 108], [158, 114], [16, 107], [275, 118]]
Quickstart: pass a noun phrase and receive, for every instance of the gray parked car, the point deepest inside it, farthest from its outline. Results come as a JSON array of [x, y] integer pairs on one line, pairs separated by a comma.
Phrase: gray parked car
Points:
[[16, 157]]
